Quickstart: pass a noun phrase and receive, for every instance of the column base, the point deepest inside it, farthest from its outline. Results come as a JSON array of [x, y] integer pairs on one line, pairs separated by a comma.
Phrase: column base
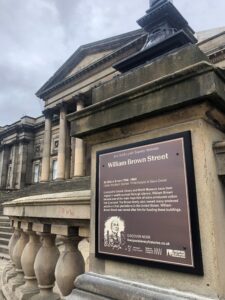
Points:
[[59, 179], [10, 274], [46, 295], [16, 281], [26, 291], [91, 286]]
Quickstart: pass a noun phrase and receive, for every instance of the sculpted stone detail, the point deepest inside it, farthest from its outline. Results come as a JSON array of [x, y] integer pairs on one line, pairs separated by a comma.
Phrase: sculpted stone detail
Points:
[[69, 266]]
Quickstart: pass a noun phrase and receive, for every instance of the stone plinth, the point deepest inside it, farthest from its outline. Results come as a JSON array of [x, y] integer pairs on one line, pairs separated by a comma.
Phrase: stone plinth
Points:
[[173, 94]]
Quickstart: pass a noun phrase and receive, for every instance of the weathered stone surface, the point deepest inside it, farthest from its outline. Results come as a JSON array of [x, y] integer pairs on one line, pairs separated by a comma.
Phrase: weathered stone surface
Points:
[[198, 82], [93, 286], [157, 69], [61, 205]]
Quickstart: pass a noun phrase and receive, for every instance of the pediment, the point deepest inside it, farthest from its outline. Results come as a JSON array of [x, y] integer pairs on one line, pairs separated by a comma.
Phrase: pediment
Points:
[[89, 59], [84, 56]]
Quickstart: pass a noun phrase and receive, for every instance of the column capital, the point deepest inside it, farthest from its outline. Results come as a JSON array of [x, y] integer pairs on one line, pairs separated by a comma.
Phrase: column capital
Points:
[[48, 112], [62, 105], [24, 141], [4, 146], [80, 97]]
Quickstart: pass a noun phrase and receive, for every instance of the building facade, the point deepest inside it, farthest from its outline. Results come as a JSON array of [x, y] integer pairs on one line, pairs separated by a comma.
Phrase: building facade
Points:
[[122, 90], [41, 149]]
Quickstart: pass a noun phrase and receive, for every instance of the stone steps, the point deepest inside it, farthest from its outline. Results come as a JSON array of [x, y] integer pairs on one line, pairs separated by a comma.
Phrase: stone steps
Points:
[[5, 229], [4, 249], [5, 256], [4, 241], [79, 183], [5, 235]]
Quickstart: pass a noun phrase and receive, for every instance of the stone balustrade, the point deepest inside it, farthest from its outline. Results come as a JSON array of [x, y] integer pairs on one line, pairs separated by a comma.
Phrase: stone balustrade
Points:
[[49, 245]]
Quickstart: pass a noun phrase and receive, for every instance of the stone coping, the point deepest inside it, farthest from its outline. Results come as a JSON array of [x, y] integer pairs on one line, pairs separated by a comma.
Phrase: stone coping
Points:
[[77, 197], [69, 205], [200, 81]]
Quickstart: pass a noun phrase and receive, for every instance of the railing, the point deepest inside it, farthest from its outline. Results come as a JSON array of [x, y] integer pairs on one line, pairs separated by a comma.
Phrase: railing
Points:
[[49, 245]]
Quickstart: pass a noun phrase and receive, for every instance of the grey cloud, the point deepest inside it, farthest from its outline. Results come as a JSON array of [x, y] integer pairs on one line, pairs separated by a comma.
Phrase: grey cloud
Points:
[[37, 36]]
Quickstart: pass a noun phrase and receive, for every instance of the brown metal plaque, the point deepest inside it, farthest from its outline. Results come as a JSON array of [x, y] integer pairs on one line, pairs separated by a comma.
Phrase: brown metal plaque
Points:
[[143, 203]]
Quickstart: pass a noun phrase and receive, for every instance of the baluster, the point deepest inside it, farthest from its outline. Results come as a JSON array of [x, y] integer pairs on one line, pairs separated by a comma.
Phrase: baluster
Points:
[[84, 245], [10, 268], [27, 261], [17, 253], [71, 262], [44, 265]]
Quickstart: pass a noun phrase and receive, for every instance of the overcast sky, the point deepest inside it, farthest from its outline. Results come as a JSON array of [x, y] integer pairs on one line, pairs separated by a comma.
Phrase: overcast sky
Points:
[[37, 36]]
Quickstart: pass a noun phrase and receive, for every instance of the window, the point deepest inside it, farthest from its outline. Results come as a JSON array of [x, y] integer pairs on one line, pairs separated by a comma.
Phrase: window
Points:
[[54, 169], [37, 149], [56, 144], [36, 173]]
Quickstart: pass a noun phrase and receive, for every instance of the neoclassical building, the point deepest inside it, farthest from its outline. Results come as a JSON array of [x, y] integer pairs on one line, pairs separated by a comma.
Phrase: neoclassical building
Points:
[[35, 150], [47, 164], [41, 149]]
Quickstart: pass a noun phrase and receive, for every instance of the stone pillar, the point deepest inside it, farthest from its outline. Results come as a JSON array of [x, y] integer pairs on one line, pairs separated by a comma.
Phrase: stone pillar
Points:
[[44, 266], [61, 160], [22, 164], [15, 159], [46, 148], [79, 165], [28, 178], [68, 152], [4, 166], [31, 249], [72, 162], [71, 262]]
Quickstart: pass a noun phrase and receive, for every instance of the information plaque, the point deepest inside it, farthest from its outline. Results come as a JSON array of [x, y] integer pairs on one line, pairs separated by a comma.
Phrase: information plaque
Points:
[[146, 206]]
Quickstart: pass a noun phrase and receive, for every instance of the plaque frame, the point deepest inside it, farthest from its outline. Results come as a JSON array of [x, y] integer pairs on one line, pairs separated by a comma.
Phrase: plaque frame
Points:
[[192, 203]]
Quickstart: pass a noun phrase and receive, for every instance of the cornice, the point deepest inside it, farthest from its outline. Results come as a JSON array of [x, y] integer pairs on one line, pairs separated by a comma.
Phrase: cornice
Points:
[[18, 128], [217, 56]]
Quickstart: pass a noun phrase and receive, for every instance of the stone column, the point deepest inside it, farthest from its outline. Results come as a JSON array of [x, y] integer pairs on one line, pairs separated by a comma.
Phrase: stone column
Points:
[[4, 166], [79, 165], [15, 159], [45, 172], [71, 262], [44, 265], [22, 164], [61, 160], [72, 162], [68, 152]]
